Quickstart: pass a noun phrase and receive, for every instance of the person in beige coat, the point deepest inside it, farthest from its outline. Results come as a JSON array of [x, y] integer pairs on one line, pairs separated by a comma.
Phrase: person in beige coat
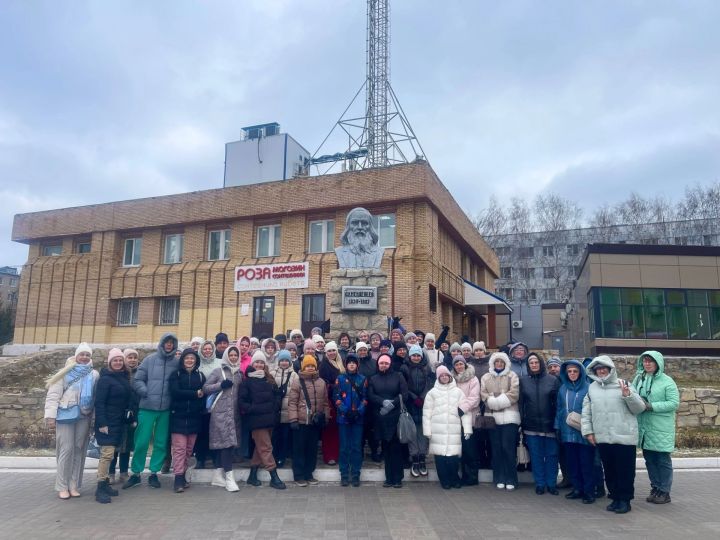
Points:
[[500, 390], [68, 408]]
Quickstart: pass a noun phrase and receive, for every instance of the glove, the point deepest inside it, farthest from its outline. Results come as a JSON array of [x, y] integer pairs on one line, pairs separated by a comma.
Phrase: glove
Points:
[[388, 403], [446, 328], [467, 436], [460, 412], [418, 402], [384, 411], [227, 383], [294, 426]]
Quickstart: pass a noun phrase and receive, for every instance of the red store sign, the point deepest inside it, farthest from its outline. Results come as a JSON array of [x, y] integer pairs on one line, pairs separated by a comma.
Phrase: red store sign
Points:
[[293, 275]]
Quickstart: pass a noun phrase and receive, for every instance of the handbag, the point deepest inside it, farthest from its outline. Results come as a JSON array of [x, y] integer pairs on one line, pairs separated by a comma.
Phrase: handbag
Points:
[[212, 399], [483, 422], [406, 429], [317, 419], [68, 415], [523, 456], [573, 418]]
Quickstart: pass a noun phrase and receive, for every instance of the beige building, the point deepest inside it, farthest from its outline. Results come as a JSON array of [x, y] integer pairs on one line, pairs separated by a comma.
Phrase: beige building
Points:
[[128, 271], [630, 298]]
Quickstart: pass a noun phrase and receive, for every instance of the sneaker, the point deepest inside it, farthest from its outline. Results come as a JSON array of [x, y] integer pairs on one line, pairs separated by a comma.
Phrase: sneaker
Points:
[[154, 482], [422, 467], [415, 470], [131, 482], [653, 493], [553, 491], [612, 506], [500, 486], [313, 481], [509, 487], [301, 483], [387, 484], [344, 481], [661, 497], [356, 482]]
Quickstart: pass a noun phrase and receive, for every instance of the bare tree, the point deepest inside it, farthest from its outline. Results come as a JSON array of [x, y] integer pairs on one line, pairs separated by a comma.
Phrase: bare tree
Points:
[[491, 220], [555, 213], [519, 217]]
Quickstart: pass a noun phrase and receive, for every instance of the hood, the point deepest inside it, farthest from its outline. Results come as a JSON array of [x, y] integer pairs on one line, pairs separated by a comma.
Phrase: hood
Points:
[[563, 373], [466, 375], [161, 349], [259, 355], [491, 363], [542, 365], [207, 359], [515, 345], [189, 350], [602, 361], [659, 360], [225, 359], [273, 341]]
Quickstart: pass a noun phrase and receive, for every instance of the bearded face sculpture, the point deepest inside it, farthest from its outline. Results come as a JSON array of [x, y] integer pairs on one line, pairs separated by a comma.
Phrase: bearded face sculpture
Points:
[[359, 242]]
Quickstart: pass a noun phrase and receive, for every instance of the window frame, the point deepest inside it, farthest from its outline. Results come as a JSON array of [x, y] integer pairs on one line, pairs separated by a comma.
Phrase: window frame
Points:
[[223, 244], [134, 309], [175, 320], [272, 232], [327, 239], [45, 250], [166, 238], [376, 223], [136, 250]]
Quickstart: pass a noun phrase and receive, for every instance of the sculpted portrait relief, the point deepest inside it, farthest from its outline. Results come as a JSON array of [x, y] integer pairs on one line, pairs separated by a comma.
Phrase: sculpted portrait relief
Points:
[[359, 247]]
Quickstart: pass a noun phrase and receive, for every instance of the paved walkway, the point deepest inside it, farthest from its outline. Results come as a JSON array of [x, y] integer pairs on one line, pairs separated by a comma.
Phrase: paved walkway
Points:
[[29, 509]]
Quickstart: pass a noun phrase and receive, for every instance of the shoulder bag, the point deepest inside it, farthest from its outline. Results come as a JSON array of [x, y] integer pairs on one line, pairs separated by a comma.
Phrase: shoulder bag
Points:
[[406, 429]]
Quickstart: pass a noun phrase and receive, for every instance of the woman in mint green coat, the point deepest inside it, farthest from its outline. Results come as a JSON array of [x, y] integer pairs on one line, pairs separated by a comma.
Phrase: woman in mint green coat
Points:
[[656, 424]]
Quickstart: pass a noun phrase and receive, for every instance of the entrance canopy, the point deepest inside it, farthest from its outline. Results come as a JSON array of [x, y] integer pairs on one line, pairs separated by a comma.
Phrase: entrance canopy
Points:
[[479, 299]]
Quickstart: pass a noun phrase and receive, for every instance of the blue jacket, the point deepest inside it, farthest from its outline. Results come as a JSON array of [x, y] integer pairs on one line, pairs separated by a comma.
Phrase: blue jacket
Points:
[[570, 399], [350, 393]]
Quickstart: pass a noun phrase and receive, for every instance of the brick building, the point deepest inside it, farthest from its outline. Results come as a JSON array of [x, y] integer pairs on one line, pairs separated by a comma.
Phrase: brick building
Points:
[[128, 271], [9, 283]]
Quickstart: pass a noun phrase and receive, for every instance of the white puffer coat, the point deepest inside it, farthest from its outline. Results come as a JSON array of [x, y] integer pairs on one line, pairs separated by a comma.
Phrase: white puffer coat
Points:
[[500, 392], [606, 413], [441, 422]]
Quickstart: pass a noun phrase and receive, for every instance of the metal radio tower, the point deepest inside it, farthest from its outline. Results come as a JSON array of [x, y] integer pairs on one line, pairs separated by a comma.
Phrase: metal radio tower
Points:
[[382, 136]]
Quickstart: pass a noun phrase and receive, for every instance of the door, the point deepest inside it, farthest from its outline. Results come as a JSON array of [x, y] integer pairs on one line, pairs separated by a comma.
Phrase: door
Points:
[[263, 316], [313, 312], [558, 342]]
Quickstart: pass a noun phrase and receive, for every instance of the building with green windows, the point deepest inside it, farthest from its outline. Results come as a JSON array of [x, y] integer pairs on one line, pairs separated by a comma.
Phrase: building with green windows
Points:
[[630, 298]]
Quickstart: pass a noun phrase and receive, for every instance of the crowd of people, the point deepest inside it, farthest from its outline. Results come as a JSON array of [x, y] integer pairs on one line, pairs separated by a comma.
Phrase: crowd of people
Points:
[[282, 399]]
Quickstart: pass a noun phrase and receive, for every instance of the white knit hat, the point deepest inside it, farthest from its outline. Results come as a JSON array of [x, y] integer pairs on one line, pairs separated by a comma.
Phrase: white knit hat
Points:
[[83, 347]]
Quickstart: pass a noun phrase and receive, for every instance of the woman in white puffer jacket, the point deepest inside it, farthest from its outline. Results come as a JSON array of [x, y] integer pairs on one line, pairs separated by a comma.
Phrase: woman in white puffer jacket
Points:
[[444, 425]]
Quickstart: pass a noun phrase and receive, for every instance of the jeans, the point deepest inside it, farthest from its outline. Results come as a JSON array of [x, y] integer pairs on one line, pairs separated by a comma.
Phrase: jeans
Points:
[[619, 464], [504, 441], [447, 470], [659, 468], [350, 450], [580, 466], [544, 459]]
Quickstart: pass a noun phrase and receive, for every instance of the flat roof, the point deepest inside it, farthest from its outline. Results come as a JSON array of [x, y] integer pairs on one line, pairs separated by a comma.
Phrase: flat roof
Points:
[[648, 249]]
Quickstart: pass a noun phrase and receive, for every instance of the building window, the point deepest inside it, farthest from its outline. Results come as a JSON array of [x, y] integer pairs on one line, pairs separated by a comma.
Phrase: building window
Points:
[[551, 295], [573, 250], [322, 236], [219, 245], [13, 282], [52, 250], [432, 291], [655, 313], [507, 294], [133, 248], [313, 312], [710, 240], [548, 251], [169, 311], [527, 295], [549, 272], [506, 272], [127, 312], [526, 252], [502, 251], [385, 227], [173, 251], [268, 241], [82, 246], [526, 273]]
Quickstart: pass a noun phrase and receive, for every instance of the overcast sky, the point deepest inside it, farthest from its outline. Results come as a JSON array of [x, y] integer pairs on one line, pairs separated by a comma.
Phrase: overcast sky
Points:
[[102, 101]]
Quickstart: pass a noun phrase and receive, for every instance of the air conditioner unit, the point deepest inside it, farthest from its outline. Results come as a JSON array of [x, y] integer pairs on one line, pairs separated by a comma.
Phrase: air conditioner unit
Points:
[[517, 324]]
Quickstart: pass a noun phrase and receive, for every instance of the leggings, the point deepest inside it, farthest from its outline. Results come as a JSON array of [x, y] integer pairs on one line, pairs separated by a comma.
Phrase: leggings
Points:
[[224, 458]]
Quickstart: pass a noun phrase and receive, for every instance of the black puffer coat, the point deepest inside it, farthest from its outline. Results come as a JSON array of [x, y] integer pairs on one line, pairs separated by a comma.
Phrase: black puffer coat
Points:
[[387, 385], [419, 381], [538, 401], [186, 407], [113, 395], [259, 400]]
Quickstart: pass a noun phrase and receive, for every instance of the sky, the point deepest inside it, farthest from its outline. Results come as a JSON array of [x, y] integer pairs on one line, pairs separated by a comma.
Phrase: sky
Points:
[[105, 101]]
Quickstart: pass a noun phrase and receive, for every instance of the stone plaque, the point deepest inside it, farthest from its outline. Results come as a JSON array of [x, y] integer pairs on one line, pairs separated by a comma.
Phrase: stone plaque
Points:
[[359, 298]]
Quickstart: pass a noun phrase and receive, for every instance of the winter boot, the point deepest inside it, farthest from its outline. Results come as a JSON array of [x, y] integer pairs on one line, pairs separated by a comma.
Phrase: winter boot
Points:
[[623, 507], [344, 481], [131, 482], [230, 483], [178, 486], [186, 482], [252, 478], [109, 490], [356, 481], [421, 465], [275, 481], [218, 478], [101, 494], [415, 468]]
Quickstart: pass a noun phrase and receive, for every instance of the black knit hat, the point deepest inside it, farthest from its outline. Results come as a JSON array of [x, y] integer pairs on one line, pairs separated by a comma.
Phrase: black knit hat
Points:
[[221, 337]]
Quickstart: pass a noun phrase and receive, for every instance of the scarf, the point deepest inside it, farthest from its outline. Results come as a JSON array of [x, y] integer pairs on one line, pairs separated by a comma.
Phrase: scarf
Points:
[[337, 363], [81, 376]]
